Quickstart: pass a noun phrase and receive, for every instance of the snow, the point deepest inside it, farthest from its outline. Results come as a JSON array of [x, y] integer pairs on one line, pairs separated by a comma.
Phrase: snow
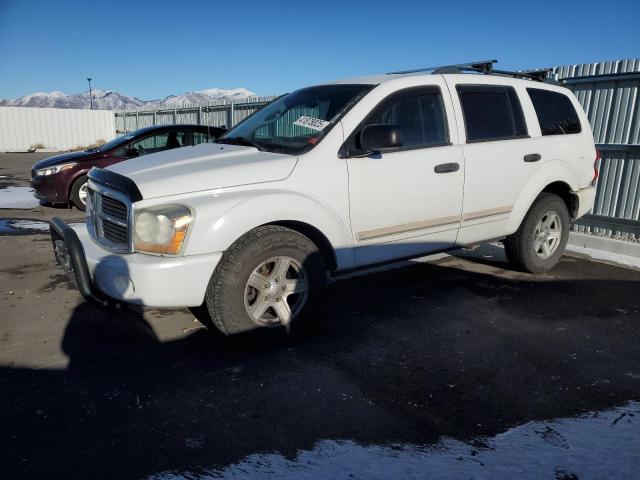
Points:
[[18, 197], [606, 257], [596, 445], [25, 226], [111, 100], [21, 226]]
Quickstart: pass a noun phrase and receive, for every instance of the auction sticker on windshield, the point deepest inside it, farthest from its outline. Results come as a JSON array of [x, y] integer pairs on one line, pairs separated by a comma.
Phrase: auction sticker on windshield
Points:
[[316, 124]]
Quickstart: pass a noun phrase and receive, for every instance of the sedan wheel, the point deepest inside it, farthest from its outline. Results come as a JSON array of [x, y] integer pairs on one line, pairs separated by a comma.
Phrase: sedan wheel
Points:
[[79, 192], [82, 193]]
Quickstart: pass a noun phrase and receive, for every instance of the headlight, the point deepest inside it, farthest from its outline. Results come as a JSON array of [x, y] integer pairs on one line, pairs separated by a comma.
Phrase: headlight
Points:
[[161, 229], [43, 172]]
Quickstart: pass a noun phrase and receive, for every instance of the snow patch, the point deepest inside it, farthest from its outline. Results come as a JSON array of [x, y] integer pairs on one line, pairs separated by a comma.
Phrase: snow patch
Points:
[[29, 225], [596, 445], [606, 257], [18, 197], [110, 100]]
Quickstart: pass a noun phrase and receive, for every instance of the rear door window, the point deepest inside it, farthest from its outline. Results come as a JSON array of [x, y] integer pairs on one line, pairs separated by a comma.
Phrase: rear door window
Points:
[[491, 112], [555, 112]]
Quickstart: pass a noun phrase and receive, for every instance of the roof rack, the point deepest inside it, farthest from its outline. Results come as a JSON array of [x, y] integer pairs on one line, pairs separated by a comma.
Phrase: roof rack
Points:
[[483, 66]]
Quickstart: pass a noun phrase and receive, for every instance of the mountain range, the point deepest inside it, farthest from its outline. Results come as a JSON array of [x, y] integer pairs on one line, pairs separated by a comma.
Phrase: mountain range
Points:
[[110, 100]]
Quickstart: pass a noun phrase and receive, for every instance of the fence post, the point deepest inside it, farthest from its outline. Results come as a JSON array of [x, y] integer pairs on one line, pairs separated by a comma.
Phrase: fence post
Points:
[[199, 115], [175, 115], [230, 111], [137, 120], [155, 117]]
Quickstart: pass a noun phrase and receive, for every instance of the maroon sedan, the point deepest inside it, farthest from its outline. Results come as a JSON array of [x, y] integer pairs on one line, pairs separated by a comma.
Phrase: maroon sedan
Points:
[[63, 178]]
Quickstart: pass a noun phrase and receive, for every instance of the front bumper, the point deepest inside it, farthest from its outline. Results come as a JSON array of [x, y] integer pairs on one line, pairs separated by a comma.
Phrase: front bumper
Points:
[[47, 189], [135, 278]]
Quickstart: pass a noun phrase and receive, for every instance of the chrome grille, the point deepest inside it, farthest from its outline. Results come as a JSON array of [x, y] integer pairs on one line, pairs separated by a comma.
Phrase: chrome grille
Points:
[[114, 208], [113, 232], [109, 212]]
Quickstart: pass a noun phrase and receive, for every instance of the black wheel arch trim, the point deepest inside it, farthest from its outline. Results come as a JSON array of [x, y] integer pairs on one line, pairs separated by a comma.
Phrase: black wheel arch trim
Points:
[[116, 181]]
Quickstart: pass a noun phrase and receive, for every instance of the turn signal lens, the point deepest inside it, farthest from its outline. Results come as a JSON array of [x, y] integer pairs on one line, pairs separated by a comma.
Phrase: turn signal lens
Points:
[[162, 229]]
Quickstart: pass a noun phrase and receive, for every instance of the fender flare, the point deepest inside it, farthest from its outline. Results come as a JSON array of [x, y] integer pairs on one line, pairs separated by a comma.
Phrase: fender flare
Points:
[[553, 171], [219, 224]]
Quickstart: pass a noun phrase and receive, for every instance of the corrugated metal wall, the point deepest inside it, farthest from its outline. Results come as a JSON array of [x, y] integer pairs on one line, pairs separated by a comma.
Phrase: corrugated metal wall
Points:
[[609, 94], [56, 128]]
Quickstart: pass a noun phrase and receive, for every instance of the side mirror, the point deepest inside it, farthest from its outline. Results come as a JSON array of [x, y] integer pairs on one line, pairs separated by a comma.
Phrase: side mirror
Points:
[[379, 137]]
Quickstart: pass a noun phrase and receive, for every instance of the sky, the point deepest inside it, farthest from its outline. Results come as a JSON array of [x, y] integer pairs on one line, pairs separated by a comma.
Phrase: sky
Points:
[[151, 49]]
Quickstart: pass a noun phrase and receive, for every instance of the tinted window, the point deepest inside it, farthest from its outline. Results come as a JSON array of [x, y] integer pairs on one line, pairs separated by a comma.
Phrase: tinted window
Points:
[[491, 112], [199, 138], [555, 112], [419, 113]]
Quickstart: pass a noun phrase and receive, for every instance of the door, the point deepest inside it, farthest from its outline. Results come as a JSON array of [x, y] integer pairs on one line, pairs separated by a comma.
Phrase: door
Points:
[[498, 158], [406, 201]]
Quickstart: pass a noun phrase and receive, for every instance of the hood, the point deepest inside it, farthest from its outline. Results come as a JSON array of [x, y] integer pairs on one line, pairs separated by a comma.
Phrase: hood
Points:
[[203, 167], [63, 158]]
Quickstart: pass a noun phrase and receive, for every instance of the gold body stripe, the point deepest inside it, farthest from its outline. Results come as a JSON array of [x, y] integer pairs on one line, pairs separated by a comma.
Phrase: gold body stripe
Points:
[[408, 227], [489, 212], [437, 222]]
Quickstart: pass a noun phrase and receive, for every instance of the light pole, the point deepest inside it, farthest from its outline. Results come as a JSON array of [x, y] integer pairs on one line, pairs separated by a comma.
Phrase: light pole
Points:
[[90, 95]]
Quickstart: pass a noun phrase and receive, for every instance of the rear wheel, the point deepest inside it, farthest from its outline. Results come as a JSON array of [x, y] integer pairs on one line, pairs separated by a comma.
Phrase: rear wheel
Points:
[[79, 193], [271, 277], [542, 237]]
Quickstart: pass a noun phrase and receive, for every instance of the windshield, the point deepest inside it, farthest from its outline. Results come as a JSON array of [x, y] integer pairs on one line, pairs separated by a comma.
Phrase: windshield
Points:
[[114, 143], [296, 122]]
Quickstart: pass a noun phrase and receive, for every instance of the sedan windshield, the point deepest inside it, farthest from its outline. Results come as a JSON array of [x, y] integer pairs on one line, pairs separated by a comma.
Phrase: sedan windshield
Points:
[[116, 142], [296, 122]]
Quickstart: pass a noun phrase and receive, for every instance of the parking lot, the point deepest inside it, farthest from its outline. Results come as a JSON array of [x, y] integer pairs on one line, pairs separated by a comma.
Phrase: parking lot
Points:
[[435, 361]]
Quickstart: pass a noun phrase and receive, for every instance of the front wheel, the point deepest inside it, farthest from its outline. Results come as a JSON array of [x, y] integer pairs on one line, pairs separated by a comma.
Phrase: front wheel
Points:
[[271, 277], [542, 237], [79, 193]]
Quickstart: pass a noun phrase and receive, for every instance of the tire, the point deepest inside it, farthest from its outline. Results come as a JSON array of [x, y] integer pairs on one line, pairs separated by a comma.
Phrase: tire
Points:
[[258, 254], [76, 194], [525, 248]]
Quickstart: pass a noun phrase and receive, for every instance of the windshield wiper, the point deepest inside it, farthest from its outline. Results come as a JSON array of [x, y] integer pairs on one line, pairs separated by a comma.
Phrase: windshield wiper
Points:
[[240, 141]]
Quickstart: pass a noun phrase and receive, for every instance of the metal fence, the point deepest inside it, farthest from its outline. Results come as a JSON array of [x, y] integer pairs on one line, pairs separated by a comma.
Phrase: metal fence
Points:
[[214, 114], [608, 91]]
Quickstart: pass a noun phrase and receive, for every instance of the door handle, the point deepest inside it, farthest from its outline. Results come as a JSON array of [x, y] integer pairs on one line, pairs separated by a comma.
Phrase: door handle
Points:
[[446, 167], [532, 157]]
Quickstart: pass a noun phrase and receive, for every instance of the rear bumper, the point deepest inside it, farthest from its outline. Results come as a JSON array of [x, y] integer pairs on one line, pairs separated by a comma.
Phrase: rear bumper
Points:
[[586, 198], [133, 278]]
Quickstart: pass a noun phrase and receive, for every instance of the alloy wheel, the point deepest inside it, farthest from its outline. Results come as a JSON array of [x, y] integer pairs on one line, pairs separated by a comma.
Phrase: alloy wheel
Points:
[[276, 291], [548, 234]]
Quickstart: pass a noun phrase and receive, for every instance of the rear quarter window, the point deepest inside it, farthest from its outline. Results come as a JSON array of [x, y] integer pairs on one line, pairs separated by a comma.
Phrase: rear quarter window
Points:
[[555, 112]]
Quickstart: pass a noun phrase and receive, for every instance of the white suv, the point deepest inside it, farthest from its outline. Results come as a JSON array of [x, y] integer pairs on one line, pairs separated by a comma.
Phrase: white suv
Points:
[[333, 178]]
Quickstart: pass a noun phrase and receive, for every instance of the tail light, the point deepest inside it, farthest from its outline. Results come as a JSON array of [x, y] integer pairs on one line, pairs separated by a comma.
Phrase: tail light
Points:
[[595, 167]]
